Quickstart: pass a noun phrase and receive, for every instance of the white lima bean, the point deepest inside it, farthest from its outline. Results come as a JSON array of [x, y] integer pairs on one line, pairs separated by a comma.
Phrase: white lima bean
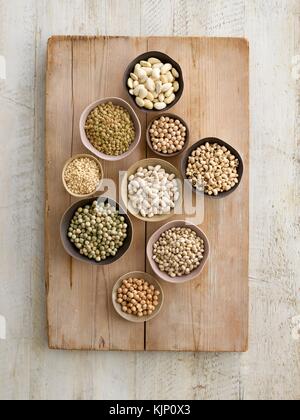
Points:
[[155, 82], [152, 191]]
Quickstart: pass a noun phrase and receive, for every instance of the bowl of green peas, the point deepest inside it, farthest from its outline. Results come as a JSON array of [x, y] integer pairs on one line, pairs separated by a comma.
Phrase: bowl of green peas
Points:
[[96, 231]]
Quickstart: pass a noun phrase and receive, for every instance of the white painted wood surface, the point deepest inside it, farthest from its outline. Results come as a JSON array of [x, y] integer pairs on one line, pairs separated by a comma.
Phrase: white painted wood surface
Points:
[[271, 368]]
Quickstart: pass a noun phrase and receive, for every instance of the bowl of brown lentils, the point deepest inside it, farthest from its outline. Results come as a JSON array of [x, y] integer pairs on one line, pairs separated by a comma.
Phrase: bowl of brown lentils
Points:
[[168, 135], [110, 129], [96, 230], [137, 297], [212, 167], [178, 251]]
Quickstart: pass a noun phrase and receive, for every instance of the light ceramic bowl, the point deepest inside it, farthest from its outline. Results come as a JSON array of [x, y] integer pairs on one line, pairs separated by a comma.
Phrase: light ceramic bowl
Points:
[[164, 58], [155, 237], [212, 140], [68, 163], [132, 170], [70, 247], [151, 280], [167, 155], [134, 117]]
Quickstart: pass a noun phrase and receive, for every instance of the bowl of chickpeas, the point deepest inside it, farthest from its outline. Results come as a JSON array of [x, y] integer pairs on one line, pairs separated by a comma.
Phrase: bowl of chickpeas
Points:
[[137, 297], [168, 135]]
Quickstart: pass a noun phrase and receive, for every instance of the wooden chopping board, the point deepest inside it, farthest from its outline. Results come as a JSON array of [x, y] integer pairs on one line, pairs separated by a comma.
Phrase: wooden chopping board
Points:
[[207, 314]]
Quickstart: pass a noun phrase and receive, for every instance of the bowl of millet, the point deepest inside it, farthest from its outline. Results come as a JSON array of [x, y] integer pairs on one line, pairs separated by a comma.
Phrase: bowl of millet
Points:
[[212, 167], [82, 175], [110, 129]]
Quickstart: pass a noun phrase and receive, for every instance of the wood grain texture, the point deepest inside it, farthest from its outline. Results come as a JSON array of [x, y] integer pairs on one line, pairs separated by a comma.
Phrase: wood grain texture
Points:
[[208, 314], [271, 368], [80, 311], [211, 313]]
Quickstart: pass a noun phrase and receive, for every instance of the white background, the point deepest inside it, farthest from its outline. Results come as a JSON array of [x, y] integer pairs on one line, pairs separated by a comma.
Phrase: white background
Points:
[[271, 368]]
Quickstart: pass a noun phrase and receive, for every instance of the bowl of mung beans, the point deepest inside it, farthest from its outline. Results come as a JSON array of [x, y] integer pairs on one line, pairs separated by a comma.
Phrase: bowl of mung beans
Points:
[[137, 297], [178, 251], [110, 129], [96, 230], [212, 167]]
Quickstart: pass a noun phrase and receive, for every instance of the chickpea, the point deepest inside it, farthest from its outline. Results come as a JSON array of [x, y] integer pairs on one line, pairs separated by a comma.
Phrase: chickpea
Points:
[[136, 302], [167, 136]]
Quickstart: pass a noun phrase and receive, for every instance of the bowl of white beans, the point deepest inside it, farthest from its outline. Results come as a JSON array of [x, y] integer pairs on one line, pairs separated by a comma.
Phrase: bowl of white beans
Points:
[[151, 190], [154, 82]]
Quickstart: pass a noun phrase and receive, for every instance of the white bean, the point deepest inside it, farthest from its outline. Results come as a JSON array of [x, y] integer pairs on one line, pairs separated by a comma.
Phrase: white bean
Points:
[[170, 99], [140, 102], [165, 68], [160, 106]]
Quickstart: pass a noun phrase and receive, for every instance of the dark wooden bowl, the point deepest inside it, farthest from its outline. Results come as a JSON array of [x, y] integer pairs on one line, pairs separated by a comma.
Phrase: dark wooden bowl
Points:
[[166, 155], [212, 140], [70, 247], [164, 59]]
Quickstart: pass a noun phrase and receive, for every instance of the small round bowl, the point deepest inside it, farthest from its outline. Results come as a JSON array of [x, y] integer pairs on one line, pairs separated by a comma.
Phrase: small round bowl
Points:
[[140, 275], [212, 140], [72, 250], [71, 160], [134, 117], [132, 170], [154, 238], [166, 155], [164, 58]]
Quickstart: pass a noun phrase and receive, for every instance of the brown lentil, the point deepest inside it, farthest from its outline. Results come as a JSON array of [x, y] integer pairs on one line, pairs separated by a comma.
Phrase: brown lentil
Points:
[[110, 129]]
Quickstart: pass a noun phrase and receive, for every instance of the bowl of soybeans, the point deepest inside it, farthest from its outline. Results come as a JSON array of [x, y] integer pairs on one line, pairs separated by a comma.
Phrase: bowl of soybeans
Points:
[[212, 167], [178, 251], [154, 82], [168, 135], [137, 297], [110, 129]]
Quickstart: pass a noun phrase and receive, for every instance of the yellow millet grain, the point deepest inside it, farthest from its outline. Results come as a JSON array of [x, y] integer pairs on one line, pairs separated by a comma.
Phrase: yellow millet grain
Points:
[[82, 176]]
